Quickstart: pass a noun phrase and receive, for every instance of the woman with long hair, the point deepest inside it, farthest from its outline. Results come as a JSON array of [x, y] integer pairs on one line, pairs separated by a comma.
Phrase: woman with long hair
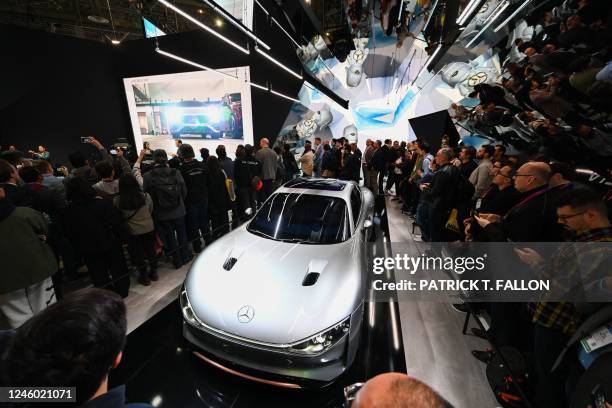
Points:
[[136, 209]]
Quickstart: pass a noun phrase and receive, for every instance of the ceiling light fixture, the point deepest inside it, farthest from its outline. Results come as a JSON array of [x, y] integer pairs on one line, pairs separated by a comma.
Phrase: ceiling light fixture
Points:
[[218, 22], [192, 63], [205, 68], [284, 96], [499, 12], [204, 26], [269, 57], [467, 11], [277, 24], [263, 88], [235, 23], [518, 10]]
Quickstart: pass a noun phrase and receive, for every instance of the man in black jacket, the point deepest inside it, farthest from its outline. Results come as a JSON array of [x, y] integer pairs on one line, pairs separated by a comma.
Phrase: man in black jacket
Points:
[[195, 175], [247, 170], [534, 218], [441, 194], [380, 163]]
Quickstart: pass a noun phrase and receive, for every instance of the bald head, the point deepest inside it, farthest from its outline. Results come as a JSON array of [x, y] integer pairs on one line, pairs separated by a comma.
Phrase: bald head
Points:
[[396, 390], [264, 142], [532, 175]]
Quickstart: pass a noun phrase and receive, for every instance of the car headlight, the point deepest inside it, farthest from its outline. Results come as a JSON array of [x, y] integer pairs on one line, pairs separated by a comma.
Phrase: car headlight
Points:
[[188, 313], [323, 341]]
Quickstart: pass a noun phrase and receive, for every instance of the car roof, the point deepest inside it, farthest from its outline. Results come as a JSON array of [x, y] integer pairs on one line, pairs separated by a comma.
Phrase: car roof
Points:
[[319, 186]]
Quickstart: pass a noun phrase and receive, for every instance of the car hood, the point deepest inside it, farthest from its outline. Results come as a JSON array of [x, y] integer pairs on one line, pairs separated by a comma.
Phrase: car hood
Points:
[[268, 276]]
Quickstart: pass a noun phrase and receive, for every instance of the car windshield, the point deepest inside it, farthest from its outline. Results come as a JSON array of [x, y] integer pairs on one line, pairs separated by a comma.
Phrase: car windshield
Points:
[[302, 218]]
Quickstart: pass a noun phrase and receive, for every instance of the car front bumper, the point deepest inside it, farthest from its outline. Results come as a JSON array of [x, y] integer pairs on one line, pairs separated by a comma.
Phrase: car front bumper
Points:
[[262, 362]]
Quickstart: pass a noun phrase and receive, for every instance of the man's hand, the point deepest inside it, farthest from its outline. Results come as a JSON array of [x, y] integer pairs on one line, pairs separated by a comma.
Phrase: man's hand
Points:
[[64, 170], [529, 256], [424, 186], [490, 217], [141, 156], [95, 142]]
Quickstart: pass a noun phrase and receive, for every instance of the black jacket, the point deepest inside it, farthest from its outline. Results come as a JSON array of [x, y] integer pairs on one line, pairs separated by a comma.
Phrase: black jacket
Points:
[[499, 202], [20, 196], [290, 164], [352, 168], [467, 168], [219, 200], [245, 168], [196, 176], [93, 226], [379, 159], [329, 161], [532, 221], [443, 185]]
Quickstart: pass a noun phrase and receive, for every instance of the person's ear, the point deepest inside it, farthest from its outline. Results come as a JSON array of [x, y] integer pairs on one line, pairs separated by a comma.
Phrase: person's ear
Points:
[[117, 360]]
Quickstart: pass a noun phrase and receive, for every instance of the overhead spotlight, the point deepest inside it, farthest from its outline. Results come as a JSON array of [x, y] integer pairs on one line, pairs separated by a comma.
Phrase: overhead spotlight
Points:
[[218, 22], [200, 11], [203, 26], [116, 40]]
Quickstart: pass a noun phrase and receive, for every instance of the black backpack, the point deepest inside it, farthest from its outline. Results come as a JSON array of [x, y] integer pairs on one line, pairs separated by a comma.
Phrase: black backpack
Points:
[[166, 191]]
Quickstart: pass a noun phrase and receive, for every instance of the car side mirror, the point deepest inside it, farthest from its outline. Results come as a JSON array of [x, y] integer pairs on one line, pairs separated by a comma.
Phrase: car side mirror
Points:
[[248, 211], [367, 223]]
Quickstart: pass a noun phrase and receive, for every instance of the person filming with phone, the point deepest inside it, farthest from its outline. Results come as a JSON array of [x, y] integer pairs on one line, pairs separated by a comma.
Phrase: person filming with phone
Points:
[[81, 167]]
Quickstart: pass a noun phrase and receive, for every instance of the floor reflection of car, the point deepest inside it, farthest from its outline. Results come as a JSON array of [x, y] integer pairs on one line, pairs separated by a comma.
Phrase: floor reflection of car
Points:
[[194, 125], [280, 299]]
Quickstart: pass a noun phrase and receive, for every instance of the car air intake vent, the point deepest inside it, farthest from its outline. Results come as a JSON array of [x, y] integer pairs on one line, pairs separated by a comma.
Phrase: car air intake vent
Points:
[[310, 279], [229, 263]]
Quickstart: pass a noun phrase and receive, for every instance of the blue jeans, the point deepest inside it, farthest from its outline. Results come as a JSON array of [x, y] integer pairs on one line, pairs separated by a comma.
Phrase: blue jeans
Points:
[[198, 223], [175, 240]]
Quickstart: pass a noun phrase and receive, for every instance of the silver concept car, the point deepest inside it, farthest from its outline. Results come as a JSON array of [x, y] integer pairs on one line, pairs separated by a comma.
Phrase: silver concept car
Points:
[[280, 299]]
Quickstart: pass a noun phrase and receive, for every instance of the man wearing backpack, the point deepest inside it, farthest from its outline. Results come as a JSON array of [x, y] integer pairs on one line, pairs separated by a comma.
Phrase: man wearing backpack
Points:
[[167, 188], [195, 175]]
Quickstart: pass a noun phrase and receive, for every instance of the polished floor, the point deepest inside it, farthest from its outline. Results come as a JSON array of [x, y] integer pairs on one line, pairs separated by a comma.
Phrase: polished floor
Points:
[[436, 350]]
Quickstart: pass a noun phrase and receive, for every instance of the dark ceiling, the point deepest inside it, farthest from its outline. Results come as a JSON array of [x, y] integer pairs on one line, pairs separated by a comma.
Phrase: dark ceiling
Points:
[[72, 17]]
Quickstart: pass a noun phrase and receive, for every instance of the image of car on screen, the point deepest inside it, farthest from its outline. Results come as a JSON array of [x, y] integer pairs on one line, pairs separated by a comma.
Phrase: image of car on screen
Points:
[[194, 126], [280, 299]]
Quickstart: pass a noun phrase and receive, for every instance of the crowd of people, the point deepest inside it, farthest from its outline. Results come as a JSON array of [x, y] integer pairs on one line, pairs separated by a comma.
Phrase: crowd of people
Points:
[[113, 216], [555, 88]]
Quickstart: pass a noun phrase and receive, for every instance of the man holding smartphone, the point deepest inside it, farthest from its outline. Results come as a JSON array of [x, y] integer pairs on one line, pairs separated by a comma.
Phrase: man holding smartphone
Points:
[[80, 164]]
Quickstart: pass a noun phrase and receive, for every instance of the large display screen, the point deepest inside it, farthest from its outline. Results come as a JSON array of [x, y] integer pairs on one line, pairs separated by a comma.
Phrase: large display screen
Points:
[[202, 108]]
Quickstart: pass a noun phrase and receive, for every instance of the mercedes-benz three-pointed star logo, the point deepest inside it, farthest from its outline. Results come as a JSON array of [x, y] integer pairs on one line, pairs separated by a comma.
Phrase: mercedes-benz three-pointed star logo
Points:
[[246, 314]]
